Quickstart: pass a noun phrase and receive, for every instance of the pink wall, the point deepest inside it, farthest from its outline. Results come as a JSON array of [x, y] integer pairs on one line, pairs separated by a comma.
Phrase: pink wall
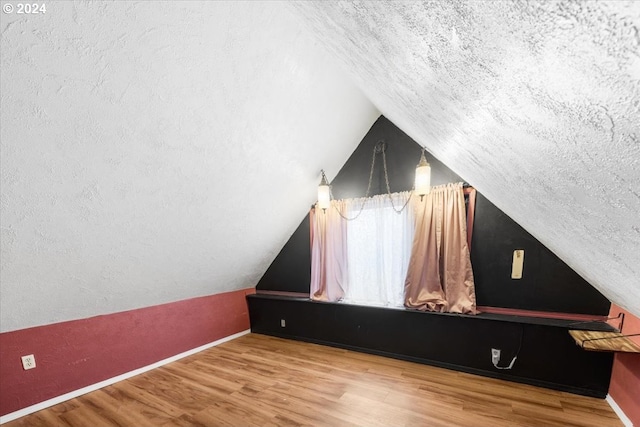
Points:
[[625, 378], [75, 354]]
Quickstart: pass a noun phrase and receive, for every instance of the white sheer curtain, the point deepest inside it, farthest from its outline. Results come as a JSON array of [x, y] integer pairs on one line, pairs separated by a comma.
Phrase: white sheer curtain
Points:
[[378, 250]]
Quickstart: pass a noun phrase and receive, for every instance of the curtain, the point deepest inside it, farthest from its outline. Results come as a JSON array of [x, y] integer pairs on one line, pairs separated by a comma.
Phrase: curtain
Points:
[[439, 276], [378, 250], [328, 253]]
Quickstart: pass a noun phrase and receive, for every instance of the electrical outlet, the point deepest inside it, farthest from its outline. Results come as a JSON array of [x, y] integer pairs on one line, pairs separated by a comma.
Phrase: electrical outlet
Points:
[[283, 324], [495, 356], [28, 362]]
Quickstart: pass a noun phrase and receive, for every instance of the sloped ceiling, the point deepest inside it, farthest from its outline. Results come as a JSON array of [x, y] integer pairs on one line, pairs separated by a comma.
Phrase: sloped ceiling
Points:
[[155, 151], [537, 104]]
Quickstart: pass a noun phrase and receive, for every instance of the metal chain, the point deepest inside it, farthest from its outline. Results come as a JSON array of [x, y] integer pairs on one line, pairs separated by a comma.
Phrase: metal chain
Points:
[[386, 180], [366, 196]]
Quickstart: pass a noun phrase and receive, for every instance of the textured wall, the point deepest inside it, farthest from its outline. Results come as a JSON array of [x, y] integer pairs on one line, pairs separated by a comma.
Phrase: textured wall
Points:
[[155, 151], [537, 104]]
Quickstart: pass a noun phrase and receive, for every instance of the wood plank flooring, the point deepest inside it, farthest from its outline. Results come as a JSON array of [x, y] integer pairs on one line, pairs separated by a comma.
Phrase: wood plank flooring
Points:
[[258, 380]]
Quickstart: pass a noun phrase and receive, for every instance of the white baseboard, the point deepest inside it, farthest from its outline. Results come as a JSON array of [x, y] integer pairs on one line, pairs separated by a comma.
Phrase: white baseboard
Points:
[[73, 394], [625, 420]]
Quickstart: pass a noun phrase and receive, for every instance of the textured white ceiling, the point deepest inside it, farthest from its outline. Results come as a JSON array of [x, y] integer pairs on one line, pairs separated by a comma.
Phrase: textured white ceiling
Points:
[[155, 151], [537, 104]]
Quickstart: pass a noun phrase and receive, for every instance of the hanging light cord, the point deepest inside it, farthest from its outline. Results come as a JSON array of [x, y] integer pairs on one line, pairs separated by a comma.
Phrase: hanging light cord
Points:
[[380, 146]]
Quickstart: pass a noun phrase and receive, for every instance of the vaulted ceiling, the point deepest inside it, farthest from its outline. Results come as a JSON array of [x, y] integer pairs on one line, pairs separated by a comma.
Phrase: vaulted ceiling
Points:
[[154, 151], [537, 104]]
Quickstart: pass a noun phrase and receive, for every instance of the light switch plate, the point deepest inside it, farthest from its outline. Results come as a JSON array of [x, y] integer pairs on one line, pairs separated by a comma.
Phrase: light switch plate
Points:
[[517, 264]]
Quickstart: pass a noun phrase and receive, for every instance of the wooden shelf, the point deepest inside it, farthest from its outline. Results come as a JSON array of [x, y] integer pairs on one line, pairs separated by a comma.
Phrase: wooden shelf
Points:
[[604, 341]]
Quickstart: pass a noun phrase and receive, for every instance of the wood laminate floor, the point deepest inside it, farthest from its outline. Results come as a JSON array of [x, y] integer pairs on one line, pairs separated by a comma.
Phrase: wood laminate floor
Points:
[[258, 380]]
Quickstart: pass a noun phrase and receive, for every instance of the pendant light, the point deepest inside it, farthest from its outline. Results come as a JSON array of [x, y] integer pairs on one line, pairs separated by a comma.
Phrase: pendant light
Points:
[[423, 177], [324, 193]]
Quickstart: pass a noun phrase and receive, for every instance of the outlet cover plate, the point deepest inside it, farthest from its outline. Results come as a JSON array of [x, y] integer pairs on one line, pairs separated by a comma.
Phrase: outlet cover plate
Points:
[[28, 362], [495, 356]]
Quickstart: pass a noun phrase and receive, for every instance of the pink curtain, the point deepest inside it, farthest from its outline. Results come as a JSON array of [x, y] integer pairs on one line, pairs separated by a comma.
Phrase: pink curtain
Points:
[[440, 277], [328, 253]]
